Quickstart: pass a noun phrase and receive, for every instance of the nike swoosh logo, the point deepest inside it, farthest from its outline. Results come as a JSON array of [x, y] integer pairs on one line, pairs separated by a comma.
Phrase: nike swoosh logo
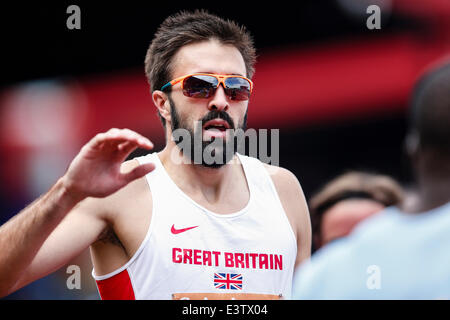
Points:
[[177, 231]]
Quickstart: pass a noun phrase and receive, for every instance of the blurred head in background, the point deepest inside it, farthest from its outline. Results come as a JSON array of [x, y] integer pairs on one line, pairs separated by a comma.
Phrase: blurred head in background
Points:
[[428, 141], [347, 200]]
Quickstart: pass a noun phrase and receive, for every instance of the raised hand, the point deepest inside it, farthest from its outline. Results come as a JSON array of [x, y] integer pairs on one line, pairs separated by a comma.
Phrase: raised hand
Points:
[[95, 171]]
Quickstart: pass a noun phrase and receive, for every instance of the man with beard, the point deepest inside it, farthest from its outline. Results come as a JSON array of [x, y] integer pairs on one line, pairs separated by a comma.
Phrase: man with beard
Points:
[[169, 225]]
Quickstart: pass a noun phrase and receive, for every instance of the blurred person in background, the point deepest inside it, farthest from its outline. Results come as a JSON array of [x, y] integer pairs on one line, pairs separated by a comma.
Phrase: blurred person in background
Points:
[[347, 200], [399, 253], [161, 227]]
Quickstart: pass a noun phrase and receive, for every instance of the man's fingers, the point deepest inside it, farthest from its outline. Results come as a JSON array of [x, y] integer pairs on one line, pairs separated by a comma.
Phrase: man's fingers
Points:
[[119, 136], [125, 149], [130, 135], [138, 172]]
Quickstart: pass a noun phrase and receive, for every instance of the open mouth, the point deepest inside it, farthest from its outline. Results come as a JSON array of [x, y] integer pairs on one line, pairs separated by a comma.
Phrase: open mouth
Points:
[[219, 128], [216, 125]]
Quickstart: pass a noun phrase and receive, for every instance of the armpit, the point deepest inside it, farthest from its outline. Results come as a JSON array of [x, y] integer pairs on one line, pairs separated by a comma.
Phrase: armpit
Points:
[[109, 236]]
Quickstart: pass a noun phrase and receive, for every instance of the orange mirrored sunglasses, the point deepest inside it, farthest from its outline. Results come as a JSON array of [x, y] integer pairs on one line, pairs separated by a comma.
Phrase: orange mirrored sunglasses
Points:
[[204, 85]]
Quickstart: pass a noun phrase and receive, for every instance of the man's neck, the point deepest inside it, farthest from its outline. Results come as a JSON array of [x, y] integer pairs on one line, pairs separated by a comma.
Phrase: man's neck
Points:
[[193, 178], [432, 193]]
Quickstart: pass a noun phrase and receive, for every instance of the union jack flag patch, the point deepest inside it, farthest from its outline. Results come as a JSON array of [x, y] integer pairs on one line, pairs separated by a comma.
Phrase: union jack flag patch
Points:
[[231, 281]]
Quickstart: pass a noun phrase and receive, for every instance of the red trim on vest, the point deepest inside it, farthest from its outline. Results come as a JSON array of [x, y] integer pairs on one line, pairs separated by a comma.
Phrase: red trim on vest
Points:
[[118, 287]]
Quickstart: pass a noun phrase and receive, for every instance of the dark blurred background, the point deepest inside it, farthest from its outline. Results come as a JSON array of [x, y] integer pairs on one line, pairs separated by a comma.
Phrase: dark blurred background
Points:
[[337, 91]]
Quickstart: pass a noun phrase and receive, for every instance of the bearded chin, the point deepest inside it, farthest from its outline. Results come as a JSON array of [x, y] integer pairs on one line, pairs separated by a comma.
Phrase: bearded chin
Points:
[[217, 152], [211, 154]]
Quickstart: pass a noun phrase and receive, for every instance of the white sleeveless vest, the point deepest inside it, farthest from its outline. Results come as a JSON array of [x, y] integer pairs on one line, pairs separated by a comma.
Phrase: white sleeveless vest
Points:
[[190, 252]]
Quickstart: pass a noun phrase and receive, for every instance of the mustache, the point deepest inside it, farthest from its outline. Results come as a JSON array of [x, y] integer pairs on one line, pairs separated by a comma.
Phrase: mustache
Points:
[[214, 114]]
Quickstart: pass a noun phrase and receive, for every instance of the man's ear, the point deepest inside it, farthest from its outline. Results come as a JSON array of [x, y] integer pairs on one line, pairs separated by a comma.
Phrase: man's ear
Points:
[[162, 103], [412, 146], [412, 143]]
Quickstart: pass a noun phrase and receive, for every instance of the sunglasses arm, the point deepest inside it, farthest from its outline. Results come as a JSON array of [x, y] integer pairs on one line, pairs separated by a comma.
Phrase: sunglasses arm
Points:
[[173, 82], [166, 86]]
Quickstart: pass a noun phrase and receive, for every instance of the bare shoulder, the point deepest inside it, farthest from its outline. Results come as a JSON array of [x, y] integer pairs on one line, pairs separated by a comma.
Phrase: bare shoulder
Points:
[[110, 207], [284, 180], [290, 193], [294, 204], [136, 185], [135, 188], [123, 200]]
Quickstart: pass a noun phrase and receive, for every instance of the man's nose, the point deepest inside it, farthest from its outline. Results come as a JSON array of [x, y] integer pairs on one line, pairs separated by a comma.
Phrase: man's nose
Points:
[[219, 101]]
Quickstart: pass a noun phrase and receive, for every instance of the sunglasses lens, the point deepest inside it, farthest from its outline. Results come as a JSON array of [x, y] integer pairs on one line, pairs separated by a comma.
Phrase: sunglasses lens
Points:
[[237, 88], [199, 86]]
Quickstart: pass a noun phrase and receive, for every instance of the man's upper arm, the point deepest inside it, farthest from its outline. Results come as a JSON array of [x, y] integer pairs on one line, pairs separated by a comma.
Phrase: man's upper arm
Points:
[[295, 206]]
